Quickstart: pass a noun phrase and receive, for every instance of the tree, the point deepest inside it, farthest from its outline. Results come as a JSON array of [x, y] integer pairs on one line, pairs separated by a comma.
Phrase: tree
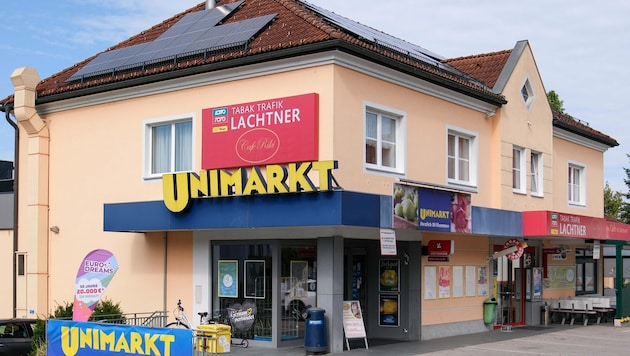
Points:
[[555, 102], [613, 202]]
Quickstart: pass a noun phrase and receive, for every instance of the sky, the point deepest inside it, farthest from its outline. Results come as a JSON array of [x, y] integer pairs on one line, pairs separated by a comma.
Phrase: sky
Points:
[[581, 47]]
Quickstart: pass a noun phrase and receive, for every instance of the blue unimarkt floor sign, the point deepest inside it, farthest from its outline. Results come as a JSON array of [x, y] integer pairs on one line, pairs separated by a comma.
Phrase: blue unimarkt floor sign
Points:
[[69, 338]]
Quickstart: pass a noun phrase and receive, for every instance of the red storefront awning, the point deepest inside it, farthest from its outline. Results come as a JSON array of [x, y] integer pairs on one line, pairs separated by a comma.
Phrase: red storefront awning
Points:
[[554, 224]]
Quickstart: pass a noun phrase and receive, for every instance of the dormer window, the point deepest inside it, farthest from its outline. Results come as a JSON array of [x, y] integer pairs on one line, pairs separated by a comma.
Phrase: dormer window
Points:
[[527, 93]]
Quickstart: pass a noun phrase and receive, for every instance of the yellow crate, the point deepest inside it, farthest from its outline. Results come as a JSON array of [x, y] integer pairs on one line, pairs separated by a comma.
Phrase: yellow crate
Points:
[[214, 338]]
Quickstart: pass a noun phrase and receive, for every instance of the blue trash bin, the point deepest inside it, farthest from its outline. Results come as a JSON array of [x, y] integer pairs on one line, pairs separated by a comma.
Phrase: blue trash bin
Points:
[[315, 341]]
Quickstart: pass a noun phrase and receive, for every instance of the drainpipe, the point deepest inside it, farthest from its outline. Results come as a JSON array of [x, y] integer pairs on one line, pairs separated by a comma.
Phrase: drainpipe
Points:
[[7, 109], [35, 234]]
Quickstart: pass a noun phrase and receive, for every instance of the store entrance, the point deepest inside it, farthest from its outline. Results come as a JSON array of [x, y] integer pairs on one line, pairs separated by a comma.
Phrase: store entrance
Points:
[[379, 284]]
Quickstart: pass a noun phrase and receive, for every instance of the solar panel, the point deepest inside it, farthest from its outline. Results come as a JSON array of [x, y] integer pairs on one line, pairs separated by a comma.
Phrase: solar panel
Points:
[[172, 42], [383, 39], [232, 33]]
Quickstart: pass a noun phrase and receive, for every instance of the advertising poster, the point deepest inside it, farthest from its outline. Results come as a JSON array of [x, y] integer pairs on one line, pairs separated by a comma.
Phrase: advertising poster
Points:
[[271, 131], [228, 279], [405, 203], [430, 282], [353, 325], [94, 275], [389, 272], [444, 211], [86, 339], [561, 277], [444, 282], [482, 281], [389, 310]]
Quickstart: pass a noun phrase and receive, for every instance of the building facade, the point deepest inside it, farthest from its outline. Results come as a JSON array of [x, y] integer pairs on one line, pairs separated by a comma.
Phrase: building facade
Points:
[[304, 161]]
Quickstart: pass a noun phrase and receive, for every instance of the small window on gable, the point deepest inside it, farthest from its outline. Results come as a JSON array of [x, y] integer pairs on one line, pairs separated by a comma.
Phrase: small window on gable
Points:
[[527, 93]]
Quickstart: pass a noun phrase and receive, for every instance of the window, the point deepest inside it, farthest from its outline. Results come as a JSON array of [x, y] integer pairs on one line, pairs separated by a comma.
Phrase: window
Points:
[[518, 169], [527, 94], [383, 141], [577, 184], [536, 169], [169, 146], [461, 156]]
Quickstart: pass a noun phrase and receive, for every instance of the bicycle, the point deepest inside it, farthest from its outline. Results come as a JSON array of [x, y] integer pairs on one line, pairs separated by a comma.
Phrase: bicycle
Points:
[[182, 321]]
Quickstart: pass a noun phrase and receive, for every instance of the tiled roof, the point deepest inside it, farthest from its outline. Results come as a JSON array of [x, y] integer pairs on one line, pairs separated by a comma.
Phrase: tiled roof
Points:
[[484, 67], [571, 124], [294, 31]]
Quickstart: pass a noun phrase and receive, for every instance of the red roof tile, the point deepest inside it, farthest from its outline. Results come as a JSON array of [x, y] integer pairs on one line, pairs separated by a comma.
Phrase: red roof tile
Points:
[[484, 67], [295, 26]]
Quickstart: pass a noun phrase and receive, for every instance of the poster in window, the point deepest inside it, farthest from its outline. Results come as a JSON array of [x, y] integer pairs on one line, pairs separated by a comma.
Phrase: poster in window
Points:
[[228, 278], [389, 310], [389, 271], [444, 282], [482, 281], [458, 281], [299, 279], [255, 279], [430, 282], [537, 284], [471, 281]]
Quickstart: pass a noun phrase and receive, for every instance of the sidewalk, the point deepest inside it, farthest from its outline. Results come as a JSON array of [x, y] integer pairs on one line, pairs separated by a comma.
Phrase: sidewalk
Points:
[[529, 340]]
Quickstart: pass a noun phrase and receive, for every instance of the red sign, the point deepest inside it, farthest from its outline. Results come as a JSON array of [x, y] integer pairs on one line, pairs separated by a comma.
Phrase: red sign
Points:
[[441, 247], [260, 133]]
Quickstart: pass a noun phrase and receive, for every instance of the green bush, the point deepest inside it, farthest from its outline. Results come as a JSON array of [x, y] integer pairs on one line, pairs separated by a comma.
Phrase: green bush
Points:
[[105, 310]]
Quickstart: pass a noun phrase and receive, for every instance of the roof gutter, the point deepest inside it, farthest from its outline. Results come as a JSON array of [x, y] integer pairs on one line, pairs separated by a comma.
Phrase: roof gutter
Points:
[[329, 45], [7, 108]]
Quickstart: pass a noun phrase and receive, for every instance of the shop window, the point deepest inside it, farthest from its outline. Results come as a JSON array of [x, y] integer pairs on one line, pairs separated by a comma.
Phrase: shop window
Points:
[[518, 169], [576, 184], [298, 288], [586, 268], [384, 148], [168, 146], [536, 171], [462, 157], [242, 293]]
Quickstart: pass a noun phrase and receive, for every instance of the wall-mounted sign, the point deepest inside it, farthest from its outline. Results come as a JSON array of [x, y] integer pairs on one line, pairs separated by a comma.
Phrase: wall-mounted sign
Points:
[[263, 132], [431, 209], [441, 247], [180, 188]]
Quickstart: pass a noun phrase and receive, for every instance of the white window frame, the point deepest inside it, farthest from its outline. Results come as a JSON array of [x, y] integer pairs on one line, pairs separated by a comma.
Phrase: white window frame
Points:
[[576, 191], [400, 144], [472, 139], [529, 96], [148, 126], [536, 174], [519, 182]]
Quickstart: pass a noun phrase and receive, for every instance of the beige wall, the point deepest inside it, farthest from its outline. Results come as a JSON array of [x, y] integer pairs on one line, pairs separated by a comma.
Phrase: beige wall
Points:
[[468, 252], [529, 128], [6, 266], [593, 160]]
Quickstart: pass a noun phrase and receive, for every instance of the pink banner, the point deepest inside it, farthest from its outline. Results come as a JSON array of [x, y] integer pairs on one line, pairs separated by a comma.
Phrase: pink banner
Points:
[[264, 132], [95, 273]]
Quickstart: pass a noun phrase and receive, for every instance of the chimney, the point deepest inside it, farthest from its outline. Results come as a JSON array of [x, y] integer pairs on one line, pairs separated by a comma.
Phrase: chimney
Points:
[[210, 4]]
